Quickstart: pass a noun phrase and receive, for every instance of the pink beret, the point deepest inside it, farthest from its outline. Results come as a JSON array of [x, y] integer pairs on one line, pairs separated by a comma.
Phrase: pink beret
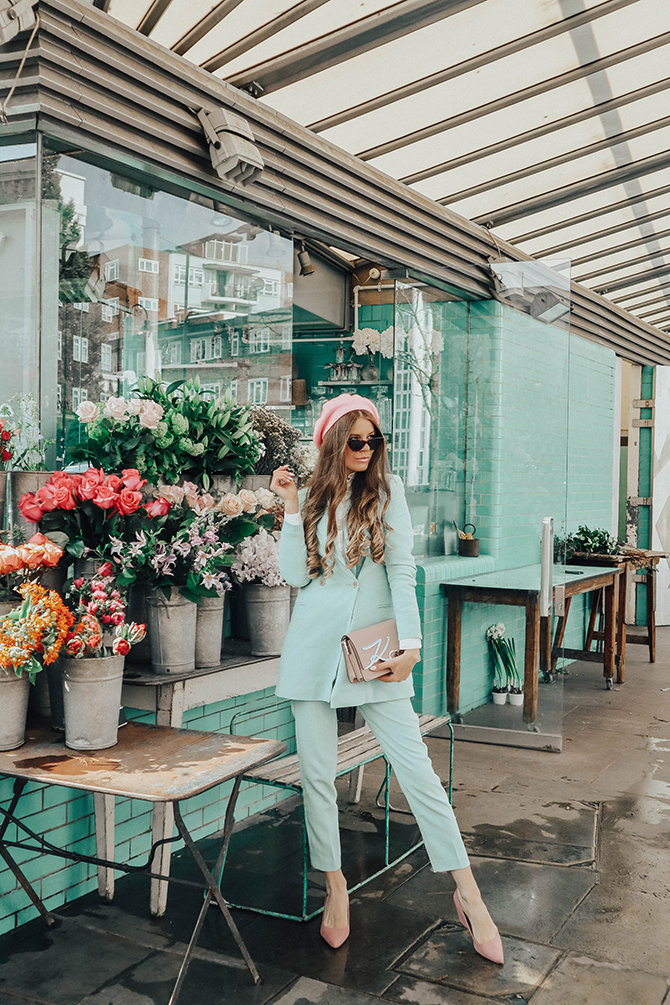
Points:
[[335, 408]]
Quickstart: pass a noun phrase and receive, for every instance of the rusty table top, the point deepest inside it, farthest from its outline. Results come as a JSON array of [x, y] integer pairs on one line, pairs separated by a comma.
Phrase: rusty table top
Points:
[[157, 763]]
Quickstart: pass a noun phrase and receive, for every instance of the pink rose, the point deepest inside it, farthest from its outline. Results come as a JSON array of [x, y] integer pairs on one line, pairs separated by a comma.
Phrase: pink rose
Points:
[[158, 507], [115, 408], [46, 497], [87, 411], [173, 493], [64, 498], [89, 484], [205, 504], [248, 500], [231, 505], [151, 414], [132, 480], [191, 494], [105, 497], [128, 502], [114, 482], [30, 508]]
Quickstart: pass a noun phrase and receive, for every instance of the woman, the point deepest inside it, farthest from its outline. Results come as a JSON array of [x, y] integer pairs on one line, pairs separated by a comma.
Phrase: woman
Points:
[[350, 552]]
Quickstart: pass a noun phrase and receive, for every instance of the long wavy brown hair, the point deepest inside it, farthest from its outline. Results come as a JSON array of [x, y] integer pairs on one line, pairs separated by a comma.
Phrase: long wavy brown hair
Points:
[[370, 496]]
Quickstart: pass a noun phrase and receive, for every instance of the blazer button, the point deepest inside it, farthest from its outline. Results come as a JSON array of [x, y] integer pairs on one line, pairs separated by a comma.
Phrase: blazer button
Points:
[[354, 584]]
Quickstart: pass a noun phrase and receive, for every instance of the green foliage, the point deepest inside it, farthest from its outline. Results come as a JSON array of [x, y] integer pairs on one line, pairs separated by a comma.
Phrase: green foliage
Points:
[[585, 542], [195, 438]]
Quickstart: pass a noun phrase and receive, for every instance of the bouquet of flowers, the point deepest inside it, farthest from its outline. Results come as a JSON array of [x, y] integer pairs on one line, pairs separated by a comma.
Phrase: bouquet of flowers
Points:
[[167, 432], [82, 510], [37, 628], [26, 562], [257, 561], [503, 653], [99, 610]]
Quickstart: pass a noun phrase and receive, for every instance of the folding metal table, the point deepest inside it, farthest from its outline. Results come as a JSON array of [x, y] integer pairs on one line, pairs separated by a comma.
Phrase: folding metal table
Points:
[[156, 763]]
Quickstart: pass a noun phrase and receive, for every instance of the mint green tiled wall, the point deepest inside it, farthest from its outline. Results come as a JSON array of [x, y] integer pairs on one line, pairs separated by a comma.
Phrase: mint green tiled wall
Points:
[[66, 816], [539, 443]]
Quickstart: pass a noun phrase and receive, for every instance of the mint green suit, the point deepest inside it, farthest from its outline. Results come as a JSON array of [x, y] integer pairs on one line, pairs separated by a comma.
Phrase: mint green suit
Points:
[[313, 675]]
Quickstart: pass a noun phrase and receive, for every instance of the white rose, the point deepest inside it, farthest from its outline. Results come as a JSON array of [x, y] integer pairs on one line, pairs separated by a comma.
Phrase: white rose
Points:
[[134, 406], [230, 505], [248, 500], [268, 500], [116, 409], [87, 411], [151, 414]]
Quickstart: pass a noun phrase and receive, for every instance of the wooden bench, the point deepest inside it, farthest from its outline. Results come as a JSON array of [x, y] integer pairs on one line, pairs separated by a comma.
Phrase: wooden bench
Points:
[[354, 750]]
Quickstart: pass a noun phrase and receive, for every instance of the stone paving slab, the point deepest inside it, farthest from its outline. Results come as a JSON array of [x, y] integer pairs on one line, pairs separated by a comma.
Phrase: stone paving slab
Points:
[[526, 900], [579, 980], [409, 991], [306, 991], [447, 957], [635, 843]]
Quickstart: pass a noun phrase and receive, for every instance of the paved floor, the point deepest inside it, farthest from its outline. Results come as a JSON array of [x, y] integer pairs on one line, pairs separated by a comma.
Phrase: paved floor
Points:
[[571, 851]]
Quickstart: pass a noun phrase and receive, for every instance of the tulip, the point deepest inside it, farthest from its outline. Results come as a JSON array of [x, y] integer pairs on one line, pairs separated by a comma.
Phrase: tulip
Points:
[[79, 582], [6, 455], [106, 569], [117, 618], [120, 647], [106, 619]]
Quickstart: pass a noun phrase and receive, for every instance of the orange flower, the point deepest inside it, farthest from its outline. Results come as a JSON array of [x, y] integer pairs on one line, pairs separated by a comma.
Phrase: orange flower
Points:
[[10, 560]]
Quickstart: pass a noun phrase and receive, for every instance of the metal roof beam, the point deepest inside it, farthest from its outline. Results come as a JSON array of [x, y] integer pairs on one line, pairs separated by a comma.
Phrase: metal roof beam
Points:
[[260, 34], [658, 310], [654, 288], [200, 29], [467, 65], [346, 42], [153, 16], [596, 255], [593, 111], [552, 162], [575, 190], [542, 87], [628, 281], [646, 303], [606, 270], [638, 221]]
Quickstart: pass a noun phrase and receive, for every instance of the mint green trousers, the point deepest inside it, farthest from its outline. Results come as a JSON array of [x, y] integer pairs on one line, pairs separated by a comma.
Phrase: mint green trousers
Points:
[[396, 726]]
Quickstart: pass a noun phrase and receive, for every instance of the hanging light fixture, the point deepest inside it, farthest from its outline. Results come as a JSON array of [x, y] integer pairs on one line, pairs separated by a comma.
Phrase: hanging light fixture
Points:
[[306, 267]]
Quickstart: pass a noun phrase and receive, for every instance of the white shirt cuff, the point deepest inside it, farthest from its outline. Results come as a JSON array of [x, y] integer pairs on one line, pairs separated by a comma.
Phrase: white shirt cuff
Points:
[[409, 644], [293, 518]]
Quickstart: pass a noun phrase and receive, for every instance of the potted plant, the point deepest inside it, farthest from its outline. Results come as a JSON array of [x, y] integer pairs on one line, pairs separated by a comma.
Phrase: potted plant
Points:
[[504, 659], [267, 595], [169, 433], [31, 636], [95, 650], [499, 691]]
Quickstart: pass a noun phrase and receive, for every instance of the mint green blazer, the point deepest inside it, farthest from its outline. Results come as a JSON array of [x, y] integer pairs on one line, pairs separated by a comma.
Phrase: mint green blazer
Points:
[[312, 665]]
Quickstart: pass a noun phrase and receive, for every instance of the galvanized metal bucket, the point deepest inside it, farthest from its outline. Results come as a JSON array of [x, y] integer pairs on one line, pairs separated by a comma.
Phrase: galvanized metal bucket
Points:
[[137, 612], [92, 697], [14, 692], [209, 631], [269, 612], [172, 628]]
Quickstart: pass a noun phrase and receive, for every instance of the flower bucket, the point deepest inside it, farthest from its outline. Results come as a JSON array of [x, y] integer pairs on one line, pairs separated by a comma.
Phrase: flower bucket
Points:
[[54, 676], [3, 491], [86, 568], [14, 692], [137, 612], [515, 699], [499, 697], [23, 482], [209, 631], [268, 611], [39, 703], [172, 627], [92, 697]]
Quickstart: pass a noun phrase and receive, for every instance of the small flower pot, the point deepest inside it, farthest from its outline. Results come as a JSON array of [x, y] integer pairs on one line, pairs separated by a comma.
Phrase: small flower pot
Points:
[[515, 699], [92, 697], [499, 697]]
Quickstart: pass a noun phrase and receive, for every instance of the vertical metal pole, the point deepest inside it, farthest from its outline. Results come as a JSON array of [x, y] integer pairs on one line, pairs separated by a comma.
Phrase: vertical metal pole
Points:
[[547, 567]]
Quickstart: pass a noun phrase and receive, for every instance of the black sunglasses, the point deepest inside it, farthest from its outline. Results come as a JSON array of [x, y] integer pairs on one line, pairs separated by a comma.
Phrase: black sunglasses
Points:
[[357, 442]]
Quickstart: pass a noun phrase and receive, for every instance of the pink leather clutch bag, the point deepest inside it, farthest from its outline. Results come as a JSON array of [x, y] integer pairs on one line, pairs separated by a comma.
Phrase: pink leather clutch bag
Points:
[[365, 648]]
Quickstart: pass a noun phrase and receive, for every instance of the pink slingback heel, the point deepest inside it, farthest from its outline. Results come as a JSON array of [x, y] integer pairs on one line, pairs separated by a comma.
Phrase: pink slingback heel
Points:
[[335, 936], [491, 950]]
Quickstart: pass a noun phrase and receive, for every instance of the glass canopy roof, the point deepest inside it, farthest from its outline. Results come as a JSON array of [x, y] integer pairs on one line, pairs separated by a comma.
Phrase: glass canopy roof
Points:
[[548, 119]]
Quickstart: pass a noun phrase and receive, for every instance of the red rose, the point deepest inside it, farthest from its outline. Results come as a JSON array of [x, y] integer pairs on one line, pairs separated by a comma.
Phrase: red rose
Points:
[[46, 497], [128, 502], [132, 480], [64, 498], [5, 435], [159, 507], [59, 478], [106, 569], [90, 482], [30, 508], [105, 497], [121, 647], [114, 482], [6, 455]]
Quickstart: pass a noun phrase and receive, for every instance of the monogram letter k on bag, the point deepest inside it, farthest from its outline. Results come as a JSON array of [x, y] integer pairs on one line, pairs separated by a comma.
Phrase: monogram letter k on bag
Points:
[[365, 648]]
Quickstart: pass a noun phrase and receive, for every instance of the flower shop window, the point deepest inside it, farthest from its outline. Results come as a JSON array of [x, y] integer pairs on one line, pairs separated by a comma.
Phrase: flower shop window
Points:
[[150, 282]]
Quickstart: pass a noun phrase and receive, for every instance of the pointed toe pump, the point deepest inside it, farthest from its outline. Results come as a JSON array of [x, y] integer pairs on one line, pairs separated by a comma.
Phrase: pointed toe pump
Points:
[[491, 950], [335, 936]]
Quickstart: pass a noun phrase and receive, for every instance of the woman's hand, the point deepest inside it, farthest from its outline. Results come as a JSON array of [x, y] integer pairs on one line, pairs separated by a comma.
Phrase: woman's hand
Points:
[[282, 484], [400, 667]]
